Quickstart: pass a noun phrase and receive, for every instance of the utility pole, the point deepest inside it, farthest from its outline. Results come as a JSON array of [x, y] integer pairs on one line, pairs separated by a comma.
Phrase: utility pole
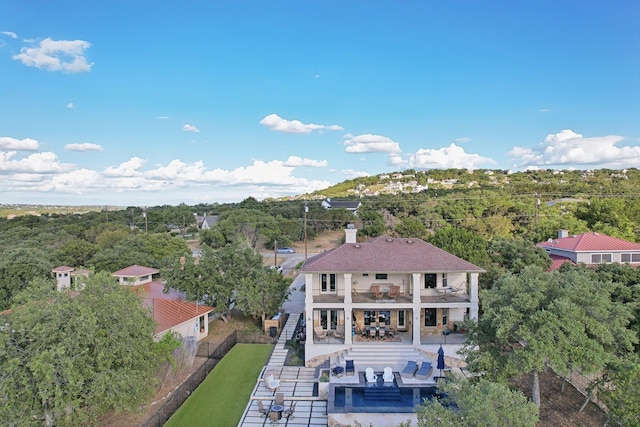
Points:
[[146, 221], [275, 254], [306, 209], [536, 217]]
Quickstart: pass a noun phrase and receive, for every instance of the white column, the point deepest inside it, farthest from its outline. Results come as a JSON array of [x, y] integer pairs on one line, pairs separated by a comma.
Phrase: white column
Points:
[[416, 325], [348, 328], [415, 287], [308, 306], [473, 285], [347, 288]]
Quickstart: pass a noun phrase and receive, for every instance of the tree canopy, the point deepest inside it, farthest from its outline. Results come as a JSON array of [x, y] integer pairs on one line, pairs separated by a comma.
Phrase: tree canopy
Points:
[[479, 403], [537, 319], [69, 357]]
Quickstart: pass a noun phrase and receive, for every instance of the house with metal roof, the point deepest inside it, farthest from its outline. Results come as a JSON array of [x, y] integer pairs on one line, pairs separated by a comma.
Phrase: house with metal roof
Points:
[[590, 249], [387, 293]]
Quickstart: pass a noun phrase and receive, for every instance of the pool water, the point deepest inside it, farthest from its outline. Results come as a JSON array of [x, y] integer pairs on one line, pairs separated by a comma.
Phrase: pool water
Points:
[[399, 399]]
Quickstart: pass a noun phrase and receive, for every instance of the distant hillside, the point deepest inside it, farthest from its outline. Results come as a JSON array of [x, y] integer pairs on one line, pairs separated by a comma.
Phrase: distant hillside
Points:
[[609, 181], [11, 211]]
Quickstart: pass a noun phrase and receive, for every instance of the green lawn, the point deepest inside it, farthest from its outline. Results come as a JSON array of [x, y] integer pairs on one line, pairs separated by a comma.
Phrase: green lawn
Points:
[[222, 397]]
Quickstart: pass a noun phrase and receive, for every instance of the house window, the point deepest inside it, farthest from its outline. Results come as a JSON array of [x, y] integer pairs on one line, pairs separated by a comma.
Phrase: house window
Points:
[[202, 324], [430, 280], [629, 257], [445, 281], [381, 276], [445, 317], [430, 317], [328, 283], [600, 258]]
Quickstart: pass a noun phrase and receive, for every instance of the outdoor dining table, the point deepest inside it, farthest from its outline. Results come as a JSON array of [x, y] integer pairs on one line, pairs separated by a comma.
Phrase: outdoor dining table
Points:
[[278, 409]]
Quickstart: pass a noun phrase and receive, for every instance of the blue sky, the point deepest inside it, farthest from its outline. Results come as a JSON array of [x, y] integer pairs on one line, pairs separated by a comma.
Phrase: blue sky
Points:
[[167, 102]]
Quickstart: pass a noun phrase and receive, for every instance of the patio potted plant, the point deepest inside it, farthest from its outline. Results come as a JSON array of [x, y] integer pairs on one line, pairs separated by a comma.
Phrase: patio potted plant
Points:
[[323, 384]]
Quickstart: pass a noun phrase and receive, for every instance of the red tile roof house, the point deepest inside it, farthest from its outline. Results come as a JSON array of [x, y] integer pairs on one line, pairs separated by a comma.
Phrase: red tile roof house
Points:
[[170, 311], [590, 249], [405, 287]]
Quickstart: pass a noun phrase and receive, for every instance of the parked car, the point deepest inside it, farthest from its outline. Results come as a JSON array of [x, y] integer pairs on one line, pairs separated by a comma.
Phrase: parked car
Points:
[[286, 250]]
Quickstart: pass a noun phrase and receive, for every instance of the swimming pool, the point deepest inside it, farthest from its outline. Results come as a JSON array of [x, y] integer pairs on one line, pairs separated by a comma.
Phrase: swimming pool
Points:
[[359, 398]]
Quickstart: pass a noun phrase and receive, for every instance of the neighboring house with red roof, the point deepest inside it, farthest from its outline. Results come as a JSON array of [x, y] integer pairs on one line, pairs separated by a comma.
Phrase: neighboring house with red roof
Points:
[[408, 287], [590, 249], [170, 311]]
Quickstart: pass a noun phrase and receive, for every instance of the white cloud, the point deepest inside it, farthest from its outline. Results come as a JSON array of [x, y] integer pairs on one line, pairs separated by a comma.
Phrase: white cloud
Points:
[[369, 143], [10, 34], [190, 128], [45, 162], [545, 110], [463, 139], [70, 105], [451, 157], [57, 55], [277, 123], [570, 148], [295, 161], [27, 144], [85, 146], [163, 117], [126, 169]]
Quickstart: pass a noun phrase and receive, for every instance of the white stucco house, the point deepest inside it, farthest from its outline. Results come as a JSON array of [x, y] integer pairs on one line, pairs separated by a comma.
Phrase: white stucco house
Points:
[[590, 249], [385, 292]]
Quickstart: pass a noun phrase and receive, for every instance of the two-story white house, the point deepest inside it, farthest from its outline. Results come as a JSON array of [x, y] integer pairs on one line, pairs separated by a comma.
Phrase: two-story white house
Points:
[[386, 291], [590, 249]]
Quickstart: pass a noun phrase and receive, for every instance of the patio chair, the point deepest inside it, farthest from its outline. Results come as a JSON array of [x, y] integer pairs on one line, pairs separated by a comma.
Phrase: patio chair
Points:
[[272, 383], [279, 399], [394, 291], [372, 333], [263, 411], [376, 292], [320, 333], [387, 375], [339, 332], [350, 367], [423, 372], [289, 411], [410, 369], [370, 376], [274, 417]]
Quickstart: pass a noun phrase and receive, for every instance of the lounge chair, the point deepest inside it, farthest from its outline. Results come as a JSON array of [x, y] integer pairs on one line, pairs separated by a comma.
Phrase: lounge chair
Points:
[[289, 411], [349, 368], [387, 375], [339, 333], [376, 292], [410, 369], [263, 411], [394, 291], [371, 377], [272, 383], [320, 333], [424, 371], [279, 399]]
